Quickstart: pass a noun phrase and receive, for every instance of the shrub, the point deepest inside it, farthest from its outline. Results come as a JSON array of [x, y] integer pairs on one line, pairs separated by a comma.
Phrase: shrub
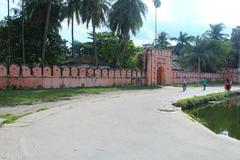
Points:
[[200, 100]]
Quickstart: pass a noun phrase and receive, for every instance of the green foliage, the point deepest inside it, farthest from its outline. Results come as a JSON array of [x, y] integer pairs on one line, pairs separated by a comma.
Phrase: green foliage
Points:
[[109, 50], [127, 16], [233, 57], [56, 49], [211, 54], [162, 41], [183, 42], [215, 32], [36, 12]]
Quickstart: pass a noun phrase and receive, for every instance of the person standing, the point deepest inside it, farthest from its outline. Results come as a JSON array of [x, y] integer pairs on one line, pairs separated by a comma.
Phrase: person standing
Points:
[[184, 84], [204, 83], [230, 82], [227, 85]]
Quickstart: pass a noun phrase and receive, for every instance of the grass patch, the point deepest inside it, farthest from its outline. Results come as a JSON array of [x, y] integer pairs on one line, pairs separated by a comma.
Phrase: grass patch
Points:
[[190, 103], [12, 118], [12, 97]]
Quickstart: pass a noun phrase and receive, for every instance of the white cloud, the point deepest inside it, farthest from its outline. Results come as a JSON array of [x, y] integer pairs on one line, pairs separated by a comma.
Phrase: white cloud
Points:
[[164, 11], [215, 11]]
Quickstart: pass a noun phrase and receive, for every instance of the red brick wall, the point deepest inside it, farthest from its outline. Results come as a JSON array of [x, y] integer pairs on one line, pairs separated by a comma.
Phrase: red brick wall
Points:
[[161, 60], [193, 77], [56, 77], [156, 59]]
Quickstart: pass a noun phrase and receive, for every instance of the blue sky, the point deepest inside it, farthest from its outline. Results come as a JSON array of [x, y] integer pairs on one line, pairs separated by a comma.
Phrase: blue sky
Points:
[[190, 16]]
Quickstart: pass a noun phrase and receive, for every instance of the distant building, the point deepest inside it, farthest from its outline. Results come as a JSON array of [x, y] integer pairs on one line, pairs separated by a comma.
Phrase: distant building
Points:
[[177, 66]]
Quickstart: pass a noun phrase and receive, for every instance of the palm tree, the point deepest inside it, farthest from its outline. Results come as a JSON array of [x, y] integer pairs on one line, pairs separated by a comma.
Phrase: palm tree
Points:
[[95, 11], [126, 16], [235, 38], [46, 31], [9, 32], [215, 32], [157, 4], [198, 53], [70, 8], [162, 41], [182, 41], [21, 13], [23, 30], [39, 12]]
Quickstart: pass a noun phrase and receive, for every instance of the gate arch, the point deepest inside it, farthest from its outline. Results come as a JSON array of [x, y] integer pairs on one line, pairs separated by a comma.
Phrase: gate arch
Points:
[[160, 76]]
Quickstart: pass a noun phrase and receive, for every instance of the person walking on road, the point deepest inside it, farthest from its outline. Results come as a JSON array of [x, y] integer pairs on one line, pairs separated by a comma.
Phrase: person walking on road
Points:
[[184, 84], [204, 83]]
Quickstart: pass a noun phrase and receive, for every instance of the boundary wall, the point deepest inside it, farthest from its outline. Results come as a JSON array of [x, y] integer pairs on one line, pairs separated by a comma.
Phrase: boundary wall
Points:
[[67, 77]]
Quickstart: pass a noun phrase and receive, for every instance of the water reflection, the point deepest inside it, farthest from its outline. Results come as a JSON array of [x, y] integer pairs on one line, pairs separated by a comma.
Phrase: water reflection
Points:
[[222, 118]]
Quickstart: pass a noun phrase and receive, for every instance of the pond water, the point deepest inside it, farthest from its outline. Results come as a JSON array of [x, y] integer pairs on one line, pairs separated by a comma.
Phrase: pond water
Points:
[[222, 118]]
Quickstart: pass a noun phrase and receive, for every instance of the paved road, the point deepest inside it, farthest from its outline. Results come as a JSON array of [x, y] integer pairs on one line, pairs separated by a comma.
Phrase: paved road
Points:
[[116, 126]]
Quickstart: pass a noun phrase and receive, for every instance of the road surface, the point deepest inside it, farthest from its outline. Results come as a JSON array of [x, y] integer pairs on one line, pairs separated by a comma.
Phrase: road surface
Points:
[[116, 126]]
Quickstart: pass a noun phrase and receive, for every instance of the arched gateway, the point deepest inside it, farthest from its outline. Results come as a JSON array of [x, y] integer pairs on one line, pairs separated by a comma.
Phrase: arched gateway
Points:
[[158, 66], [160, 75]]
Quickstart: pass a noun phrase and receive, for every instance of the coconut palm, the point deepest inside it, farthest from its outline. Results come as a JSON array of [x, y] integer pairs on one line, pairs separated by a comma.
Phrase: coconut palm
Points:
[[23, 30], [182, 40], [198, 53], [46, 31], [71, 8], [126, 16], [162, 41], [9, 32], [157, 4], [215, 32], [39, 12], [94, 11]]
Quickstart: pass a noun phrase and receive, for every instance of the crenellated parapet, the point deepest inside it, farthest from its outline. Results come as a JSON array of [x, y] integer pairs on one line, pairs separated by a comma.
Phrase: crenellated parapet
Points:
[[65, 71], [54, 77]]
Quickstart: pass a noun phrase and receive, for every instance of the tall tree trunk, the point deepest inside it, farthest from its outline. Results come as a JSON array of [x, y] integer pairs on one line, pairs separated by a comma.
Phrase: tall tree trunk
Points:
[[94, 42], [155, 26], [9, 40], [23, 35], [238, 63], [199, 69], [46, 31], [125, 46], [73, 35]]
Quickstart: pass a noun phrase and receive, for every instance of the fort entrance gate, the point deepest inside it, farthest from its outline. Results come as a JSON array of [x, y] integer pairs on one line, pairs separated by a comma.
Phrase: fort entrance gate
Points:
[[158, 66]]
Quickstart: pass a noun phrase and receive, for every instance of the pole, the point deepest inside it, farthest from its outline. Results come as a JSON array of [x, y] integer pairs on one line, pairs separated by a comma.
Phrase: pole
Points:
[[155, 26], [199, 69]]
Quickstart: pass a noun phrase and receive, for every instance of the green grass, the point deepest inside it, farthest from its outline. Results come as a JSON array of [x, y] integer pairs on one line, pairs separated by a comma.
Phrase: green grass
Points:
[[12, 118], [190, 103], [11, 97]]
